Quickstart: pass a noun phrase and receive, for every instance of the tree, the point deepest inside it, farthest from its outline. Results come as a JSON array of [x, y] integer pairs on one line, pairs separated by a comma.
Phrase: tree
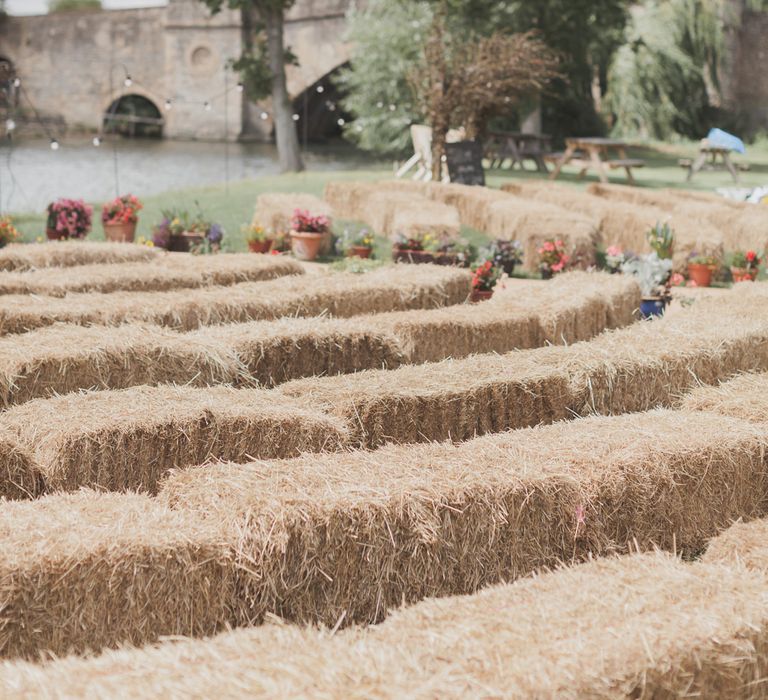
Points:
[[73, 5], [262, 65], [467, 82]]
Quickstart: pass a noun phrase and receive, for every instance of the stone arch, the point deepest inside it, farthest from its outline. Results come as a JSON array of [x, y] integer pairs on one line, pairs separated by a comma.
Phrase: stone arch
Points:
[[8, 92], [319, 107], [134, 115]]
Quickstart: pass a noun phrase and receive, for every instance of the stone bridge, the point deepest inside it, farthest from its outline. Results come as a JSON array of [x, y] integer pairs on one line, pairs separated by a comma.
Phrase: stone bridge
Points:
[[163, 70]]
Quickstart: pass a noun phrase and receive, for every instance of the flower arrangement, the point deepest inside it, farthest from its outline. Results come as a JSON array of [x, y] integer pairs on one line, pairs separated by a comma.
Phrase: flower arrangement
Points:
[[677, 280], [362, 238], [121, 210], [416, 242], [745, 266], [708, 260], [661, 238], [256, 233], [68, 218], [652, 273], [614, 258], [505, 254], [552, 257], [181, 232], [8, 232], [484, 276], [304, 222]]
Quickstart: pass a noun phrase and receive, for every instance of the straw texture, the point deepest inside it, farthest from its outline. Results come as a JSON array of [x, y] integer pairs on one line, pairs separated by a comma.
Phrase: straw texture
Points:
[[19, 476], [641, 626], [25, 256], [170, 271], [128, 439], [741, 544], [745, 397], [341, 294], [443, 519], [274, 210]]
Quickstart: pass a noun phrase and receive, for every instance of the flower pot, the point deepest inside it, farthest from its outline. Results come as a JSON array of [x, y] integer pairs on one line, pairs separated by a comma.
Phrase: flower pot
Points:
[[546, 274], [508, 267], [120, 233], [480, 295], [260, 246], [700, 274], [447, 259], [652, 306], [306, 246], [412, 256], [53, 235], [184, 242], [743, 274], [359, 251]]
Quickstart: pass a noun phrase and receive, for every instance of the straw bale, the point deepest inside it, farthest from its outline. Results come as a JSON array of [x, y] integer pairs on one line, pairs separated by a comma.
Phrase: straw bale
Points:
[[740, 229], [471, 202], [532, 223], [453, 399], [26, 256], [128, 439], [441, 519], [663, 199], [744, 543], [349, 199], [745, 397], [19, 477], [420, 216], [340, 294], [83, 571], [171, 271], [64, 358], [274, 210]]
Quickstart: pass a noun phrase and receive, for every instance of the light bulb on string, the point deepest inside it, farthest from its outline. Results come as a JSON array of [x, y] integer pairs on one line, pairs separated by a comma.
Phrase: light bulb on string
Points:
[[296, 117], [320, 89], [207, 106], [240, 87], [264, 116], [168, 104], [128, 81], [380, 105], [17, 82], [10, 125], [54, 145], [392, 108], [341, 122], [331, 107], [96, 141]]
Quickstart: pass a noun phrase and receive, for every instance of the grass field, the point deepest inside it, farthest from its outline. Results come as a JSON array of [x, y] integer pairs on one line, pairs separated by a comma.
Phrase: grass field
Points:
[[234, 207]]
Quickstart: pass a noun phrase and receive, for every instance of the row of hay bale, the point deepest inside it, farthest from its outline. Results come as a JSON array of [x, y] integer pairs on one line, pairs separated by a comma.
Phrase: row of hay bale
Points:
[[342, 295], [22, 256], [645, 625], [344, 538], [166, 272], [64, 357]]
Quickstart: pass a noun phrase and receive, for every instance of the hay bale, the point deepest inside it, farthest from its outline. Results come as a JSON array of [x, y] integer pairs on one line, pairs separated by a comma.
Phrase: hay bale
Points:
[[449, 400], [64, 358], [19, 476], [532, 223], [745, 397], [422, 216], [274, 210], [639, 626], [128, 439], [83, 571], [340, 294], [444, 519], [662, 199], [349, 199], [741, 544], [26, 256], [177, 271]]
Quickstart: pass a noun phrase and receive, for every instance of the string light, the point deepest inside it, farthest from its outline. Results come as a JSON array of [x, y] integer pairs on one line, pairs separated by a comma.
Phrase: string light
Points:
[[10, 125], [341, 122], [17, 82], [207, 106], [240, 87], [54, 145], [380, 105], [128, 81], [264, 116], [296, 117], [168, 104], [96, 141], [320, 89], [392, 108]]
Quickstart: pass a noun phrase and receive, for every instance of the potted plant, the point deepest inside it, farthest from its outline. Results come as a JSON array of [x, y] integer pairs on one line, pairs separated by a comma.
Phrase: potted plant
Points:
[[505, 254], [745, 266], [652, 274], [614, 259], [358, 244], [8, 232], [701, 269], [413, 249], [307, 233], [68, 218], [661, 238], [259, 241], [180, 233], [484, 277], [119, 218], [552, 258], [453, 252]]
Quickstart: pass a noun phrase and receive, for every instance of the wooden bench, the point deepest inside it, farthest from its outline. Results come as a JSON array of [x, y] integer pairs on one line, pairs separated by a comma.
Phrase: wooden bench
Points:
[[625, 163]]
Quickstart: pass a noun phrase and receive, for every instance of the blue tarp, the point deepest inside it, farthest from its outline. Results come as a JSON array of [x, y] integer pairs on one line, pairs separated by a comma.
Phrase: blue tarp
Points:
[[722, 139]]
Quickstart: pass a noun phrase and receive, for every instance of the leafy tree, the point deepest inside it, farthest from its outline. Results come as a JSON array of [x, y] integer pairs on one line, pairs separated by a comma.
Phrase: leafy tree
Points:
[[71, 5], [262, 65]]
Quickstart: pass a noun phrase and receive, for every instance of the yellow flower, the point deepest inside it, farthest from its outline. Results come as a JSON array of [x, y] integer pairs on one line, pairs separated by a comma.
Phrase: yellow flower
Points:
[[176, 221], [151, 244], [39, 239]]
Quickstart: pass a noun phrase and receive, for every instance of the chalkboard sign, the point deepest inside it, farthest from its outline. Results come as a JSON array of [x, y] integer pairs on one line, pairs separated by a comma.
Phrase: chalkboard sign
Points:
[[465, 162]]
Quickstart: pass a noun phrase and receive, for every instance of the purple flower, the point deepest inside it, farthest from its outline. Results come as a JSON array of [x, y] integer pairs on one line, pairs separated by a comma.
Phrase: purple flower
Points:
[[215, 233]]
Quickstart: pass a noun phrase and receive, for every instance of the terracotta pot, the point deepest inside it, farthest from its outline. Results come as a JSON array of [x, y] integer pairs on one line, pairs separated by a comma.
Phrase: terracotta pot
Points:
[[742, 274], [480, 295], [260, 246], [700, 274], [120, 233], [306, 246], [184, 242], [412, 256], [359, 251], [54, 235]]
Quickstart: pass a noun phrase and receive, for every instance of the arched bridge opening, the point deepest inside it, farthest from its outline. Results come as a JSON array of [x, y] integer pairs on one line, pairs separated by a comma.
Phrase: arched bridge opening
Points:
[[134, 116]]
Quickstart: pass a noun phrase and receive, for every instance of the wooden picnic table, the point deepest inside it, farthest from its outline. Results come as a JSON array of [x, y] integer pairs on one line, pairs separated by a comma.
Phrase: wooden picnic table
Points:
[[518, 147], [591, 153], [707, 160]]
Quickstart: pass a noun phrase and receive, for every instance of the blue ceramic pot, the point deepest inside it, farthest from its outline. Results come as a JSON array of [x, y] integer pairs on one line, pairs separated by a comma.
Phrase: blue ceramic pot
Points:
[[652, 307]]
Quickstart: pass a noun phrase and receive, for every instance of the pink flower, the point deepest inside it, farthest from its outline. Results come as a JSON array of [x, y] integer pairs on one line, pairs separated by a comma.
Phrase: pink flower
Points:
[[614, 251]]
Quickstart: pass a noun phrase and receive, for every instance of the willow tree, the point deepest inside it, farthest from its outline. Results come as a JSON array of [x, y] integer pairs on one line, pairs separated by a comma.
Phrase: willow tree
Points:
[[468, 82], [262, 65]]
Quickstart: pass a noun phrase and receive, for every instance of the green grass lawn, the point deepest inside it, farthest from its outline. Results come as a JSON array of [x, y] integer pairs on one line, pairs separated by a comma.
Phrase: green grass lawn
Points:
[[234, 207]]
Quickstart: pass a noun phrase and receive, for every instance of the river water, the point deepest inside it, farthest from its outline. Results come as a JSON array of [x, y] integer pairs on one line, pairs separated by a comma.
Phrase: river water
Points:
[[32, 174]]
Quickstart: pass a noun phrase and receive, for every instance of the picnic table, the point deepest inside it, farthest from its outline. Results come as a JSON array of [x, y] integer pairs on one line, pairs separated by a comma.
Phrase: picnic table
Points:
[[707, 159], [591, 153], [518, 147]]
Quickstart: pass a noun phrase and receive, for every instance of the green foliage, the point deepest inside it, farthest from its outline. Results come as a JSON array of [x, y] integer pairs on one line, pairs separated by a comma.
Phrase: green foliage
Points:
[[71, 5], [389, 37]]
